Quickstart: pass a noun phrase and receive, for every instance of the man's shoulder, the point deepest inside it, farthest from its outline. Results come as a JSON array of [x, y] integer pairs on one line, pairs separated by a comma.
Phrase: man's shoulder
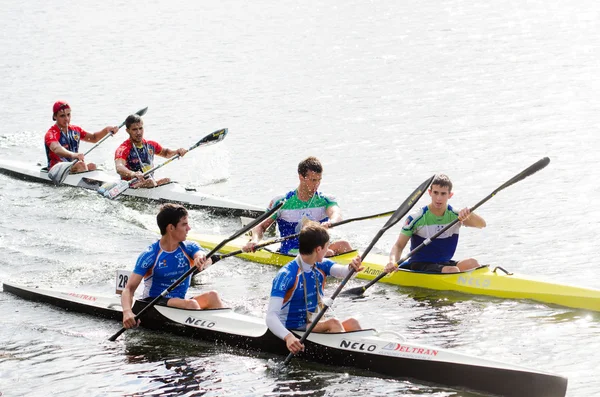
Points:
[[325, 265], [291, 266], [287, 273], [190, 247], [416, 216], [152, 248], [329, 199], [149, 254], [122, 149], [54, 128], [277, 199], [125, 143], [451, 210], [52, 133], [157, 146]]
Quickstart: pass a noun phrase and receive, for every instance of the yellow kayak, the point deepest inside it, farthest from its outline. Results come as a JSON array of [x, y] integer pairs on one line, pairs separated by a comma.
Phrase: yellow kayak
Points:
[[481, 281]]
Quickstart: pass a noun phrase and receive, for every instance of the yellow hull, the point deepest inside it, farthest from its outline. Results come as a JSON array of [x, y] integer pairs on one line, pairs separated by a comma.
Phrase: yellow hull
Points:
[[481, 281]]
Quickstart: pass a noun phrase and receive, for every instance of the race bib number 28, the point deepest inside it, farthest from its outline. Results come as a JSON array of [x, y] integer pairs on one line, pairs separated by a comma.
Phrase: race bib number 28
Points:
[[121, 280]]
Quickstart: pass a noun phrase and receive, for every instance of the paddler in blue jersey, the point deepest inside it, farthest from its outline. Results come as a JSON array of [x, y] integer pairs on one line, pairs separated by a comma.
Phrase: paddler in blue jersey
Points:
[[163, 262], [302, 204], [297, 292], [435, 257]]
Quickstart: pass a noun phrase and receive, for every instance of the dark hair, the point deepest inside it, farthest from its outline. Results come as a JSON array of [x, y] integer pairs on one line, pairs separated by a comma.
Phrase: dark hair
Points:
[[310, 164], [132, 119], [442, 180], [169, 214], [312, 235]]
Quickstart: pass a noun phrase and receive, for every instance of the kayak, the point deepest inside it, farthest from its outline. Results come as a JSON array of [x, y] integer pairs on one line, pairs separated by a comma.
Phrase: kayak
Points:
[[170, 192], [496, 282], [386, 353]]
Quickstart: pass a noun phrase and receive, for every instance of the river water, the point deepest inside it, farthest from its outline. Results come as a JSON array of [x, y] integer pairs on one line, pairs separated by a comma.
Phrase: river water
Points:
[[385, 93]]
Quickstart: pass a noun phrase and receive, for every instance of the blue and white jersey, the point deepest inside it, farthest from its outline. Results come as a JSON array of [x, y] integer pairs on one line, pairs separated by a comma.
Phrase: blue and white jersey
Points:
[[290, 215], [422, 225], [160, 269], [289, 285]]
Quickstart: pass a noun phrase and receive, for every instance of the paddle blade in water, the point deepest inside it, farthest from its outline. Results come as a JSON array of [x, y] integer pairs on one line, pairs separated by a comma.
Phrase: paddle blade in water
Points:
[[58, 173], [116, 190], [105, 187]]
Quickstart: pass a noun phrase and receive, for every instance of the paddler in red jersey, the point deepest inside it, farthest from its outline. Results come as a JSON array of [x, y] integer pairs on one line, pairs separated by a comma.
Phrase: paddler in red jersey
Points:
[[62, 139], [136, 155]]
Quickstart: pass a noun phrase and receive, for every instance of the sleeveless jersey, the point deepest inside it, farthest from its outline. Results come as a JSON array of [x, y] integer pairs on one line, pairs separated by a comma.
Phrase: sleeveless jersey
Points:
[[422, 225], [289, 217], [160, 269], [70, 141], [138, 159], [289, 285]]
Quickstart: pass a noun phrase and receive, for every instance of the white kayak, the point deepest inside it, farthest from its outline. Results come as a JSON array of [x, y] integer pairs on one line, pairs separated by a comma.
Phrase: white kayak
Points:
[[170, 192], [383, 352]]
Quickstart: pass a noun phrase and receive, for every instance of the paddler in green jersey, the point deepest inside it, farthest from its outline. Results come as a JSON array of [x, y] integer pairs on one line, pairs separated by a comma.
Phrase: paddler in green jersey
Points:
[[304, 203], [436, 255]]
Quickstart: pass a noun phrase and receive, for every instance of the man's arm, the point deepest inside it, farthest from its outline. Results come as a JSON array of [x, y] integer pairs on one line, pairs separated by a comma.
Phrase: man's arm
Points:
[[278, 329], [96, 136], [471, 219], [124, 172], [334, 213], [60, 151], [396, 252], [168, 153], [257, 234], [127, 301], [200, 261], [341, 271]]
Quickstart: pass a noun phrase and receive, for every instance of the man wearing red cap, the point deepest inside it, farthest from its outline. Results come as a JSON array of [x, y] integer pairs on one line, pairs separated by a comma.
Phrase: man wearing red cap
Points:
[[62, 139]]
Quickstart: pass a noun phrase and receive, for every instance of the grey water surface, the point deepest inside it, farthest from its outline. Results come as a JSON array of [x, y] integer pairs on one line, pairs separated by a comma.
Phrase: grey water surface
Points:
[[385, 93]]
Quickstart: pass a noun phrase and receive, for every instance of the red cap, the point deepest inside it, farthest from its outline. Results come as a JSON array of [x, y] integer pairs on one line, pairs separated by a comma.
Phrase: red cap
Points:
[[58, 106]]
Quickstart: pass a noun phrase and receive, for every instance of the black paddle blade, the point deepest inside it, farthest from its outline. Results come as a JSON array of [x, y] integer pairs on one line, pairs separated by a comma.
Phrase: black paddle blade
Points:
[[212, 138], [532, 169], [356, 291], [142, 112], [399, 213], [59, 172], [408, 204]]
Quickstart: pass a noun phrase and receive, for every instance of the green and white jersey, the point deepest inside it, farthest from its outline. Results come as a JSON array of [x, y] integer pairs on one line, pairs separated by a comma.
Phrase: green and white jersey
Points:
[[290, 217], [422, 225]]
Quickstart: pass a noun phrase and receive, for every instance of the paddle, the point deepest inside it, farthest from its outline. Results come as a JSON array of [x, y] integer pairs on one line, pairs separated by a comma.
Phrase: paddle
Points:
[[395, 218], [115, 190], [58, 173], [191, 269], [522, 175], [216, 258]]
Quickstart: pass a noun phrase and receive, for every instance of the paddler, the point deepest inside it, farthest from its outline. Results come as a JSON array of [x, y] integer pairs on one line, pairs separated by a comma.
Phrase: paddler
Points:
[[62, 139], [163, 262], [298, 289], [302, 204], [435, 257], [136, 155]]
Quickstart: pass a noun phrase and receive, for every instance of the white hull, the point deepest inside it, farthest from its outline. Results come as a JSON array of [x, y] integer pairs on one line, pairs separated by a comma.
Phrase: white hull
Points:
[[171, 192], [386, 353]]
